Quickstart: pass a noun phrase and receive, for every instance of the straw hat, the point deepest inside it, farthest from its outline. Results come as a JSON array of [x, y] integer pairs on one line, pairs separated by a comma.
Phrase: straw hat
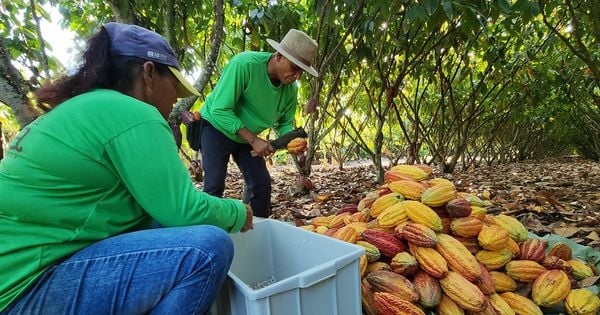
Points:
[[299, 48]]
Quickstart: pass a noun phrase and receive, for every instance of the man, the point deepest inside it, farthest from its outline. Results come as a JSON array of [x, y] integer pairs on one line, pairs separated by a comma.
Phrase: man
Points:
[[255, 92]]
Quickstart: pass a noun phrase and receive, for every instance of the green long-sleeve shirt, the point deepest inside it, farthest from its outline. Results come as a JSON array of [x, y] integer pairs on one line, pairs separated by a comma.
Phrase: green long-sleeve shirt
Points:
[[100, 164], [245, 97]]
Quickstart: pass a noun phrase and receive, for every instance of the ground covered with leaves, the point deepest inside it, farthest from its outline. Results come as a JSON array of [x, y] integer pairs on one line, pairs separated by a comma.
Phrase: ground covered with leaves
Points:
[[560, 196]]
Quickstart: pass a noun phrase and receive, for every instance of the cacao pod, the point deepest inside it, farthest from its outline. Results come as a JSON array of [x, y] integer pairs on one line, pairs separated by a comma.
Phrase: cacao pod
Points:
[[366, 294], [409, 189], [580, 269], [464, 293], [392, 216], [494, 260], [421, 213], [520, 304], [371, 251], [346, 234], [297, 146], [438, 195], [412, 171], [493, 237], [550, 288], [448, 307], [516, 230], [387, 244], [582, 302], [428, 288], [419, 235], [430, 260], [562, 251], [458, 257], [393, 283], [387, 303], [500, 306], [458, 208], [467, 227], [404, 264], [524, 270], [503, 282], [472, 199], [485, 283], [533, 249], [384, 202]]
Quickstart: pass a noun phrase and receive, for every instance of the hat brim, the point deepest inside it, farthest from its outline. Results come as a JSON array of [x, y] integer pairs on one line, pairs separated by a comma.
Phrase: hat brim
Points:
[[293, 59], [185, 88]]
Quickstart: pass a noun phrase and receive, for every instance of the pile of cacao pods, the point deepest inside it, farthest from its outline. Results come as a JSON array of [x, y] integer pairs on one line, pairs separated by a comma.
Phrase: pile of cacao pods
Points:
[[430, 247]]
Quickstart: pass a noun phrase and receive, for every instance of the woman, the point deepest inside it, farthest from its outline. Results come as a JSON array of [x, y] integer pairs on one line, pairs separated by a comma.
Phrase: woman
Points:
[[83, 185]]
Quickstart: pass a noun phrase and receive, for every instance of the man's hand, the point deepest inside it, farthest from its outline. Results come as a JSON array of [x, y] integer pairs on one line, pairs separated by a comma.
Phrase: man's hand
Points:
[[262, 147], [248, 225]]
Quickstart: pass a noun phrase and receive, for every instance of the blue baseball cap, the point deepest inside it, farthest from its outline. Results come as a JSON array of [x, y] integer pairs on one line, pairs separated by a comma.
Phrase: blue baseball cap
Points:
[[135, 41]]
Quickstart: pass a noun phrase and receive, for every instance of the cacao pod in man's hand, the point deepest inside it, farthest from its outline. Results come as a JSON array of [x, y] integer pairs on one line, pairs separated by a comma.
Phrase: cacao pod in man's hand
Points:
[[297, 146]]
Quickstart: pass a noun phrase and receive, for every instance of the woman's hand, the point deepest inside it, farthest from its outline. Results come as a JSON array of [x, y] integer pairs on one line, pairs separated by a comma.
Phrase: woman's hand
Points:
[[249, 215]]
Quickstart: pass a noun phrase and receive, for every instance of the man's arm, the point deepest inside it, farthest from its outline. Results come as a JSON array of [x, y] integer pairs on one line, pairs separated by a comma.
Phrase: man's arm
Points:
[[260, 146]]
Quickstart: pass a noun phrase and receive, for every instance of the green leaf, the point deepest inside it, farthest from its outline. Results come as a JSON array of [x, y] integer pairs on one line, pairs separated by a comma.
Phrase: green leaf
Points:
[[448, 8], [504, 6], [416, 13], [431, 6]]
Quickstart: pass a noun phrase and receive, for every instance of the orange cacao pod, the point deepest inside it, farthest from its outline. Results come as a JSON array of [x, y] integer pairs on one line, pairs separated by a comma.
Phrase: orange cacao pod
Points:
[[533, 249], [421, 213], [387, 303], [393, 283], [430, 260], [387, 244], [322, 220], [425, 168], [404, 264], [409, 189], [448, 307], [363, 262], [367, 201], [384, 202], [524, 270], [438, 195], [464, 293], [346, 234], [338, 220], [466, 227], [493, 237], [582, 302], [428, 288], [562, 251], [503, 282], [478, 212], [297, 145], [470, 243], [494, 260], [555, 263], [458, 208], [513, 247], [520, 304], [459, 258], [419, 235], [392, 176], [550, 288]]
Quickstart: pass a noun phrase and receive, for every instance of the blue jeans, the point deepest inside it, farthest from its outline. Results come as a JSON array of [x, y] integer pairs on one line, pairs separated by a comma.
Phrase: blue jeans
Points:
[[216, 150], [158, 271]]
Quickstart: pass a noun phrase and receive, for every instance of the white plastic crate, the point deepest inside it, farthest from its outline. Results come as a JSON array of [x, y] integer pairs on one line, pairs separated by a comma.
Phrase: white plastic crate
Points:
[[314, 274]]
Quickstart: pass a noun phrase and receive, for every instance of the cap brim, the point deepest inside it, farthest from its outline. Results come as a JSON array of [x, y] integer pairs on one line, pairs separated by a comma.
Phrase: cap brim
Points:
[[293, 59], [185, 88]]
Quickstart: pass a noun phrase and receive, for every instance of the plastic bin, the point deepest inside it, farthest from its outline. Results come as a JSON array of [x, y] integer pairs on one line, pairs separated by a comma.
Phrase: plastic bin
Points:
[[314, 274]]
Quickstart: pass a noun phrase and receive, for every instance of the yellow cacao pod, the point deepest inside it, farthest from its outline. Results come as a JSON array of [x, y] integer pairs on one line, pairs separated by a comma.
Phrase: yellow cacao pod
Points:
[[493, 237], [550, 288], [520, 304], [392, 216], [359, 227], [503, 282], [430, 260], [467, 227], [415, 172], [472, 199], [516, 230], [371, 251], [421, 213], [478, 212], [459, 258], [363, 262], [378, 265], [580, 269], [297, 145], [323, 221], [384, 202], [464, 293], [438, 195], [513, 247], [524, 270], [367, 201], [409, 189], [582, 302], [494, 260], [448, 307], [500, 306], [440, 181]]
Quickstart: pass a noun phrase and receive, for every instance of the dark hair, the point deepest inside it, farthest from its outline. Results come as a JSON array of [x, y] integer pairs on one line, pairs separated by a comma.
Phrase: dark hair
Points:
[[100, 69]]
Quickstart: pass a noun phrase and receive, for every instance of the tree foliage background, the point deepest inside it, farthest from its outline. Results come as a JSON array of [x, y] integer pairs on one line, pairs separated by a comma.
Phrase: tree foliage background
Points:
[[455, 83]]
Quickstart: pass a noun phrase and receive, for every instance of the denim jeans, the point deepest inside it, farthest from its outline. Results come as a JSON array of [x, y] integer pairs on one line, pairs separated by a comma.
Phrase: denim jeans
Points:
[[216, 150], [158, 271]]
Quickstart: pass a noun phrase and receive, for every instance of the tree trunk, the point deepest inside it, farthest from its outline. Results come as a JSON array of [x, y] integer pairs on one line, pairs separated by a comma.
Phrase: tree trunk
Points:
[[216, 39], [14, 89]]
